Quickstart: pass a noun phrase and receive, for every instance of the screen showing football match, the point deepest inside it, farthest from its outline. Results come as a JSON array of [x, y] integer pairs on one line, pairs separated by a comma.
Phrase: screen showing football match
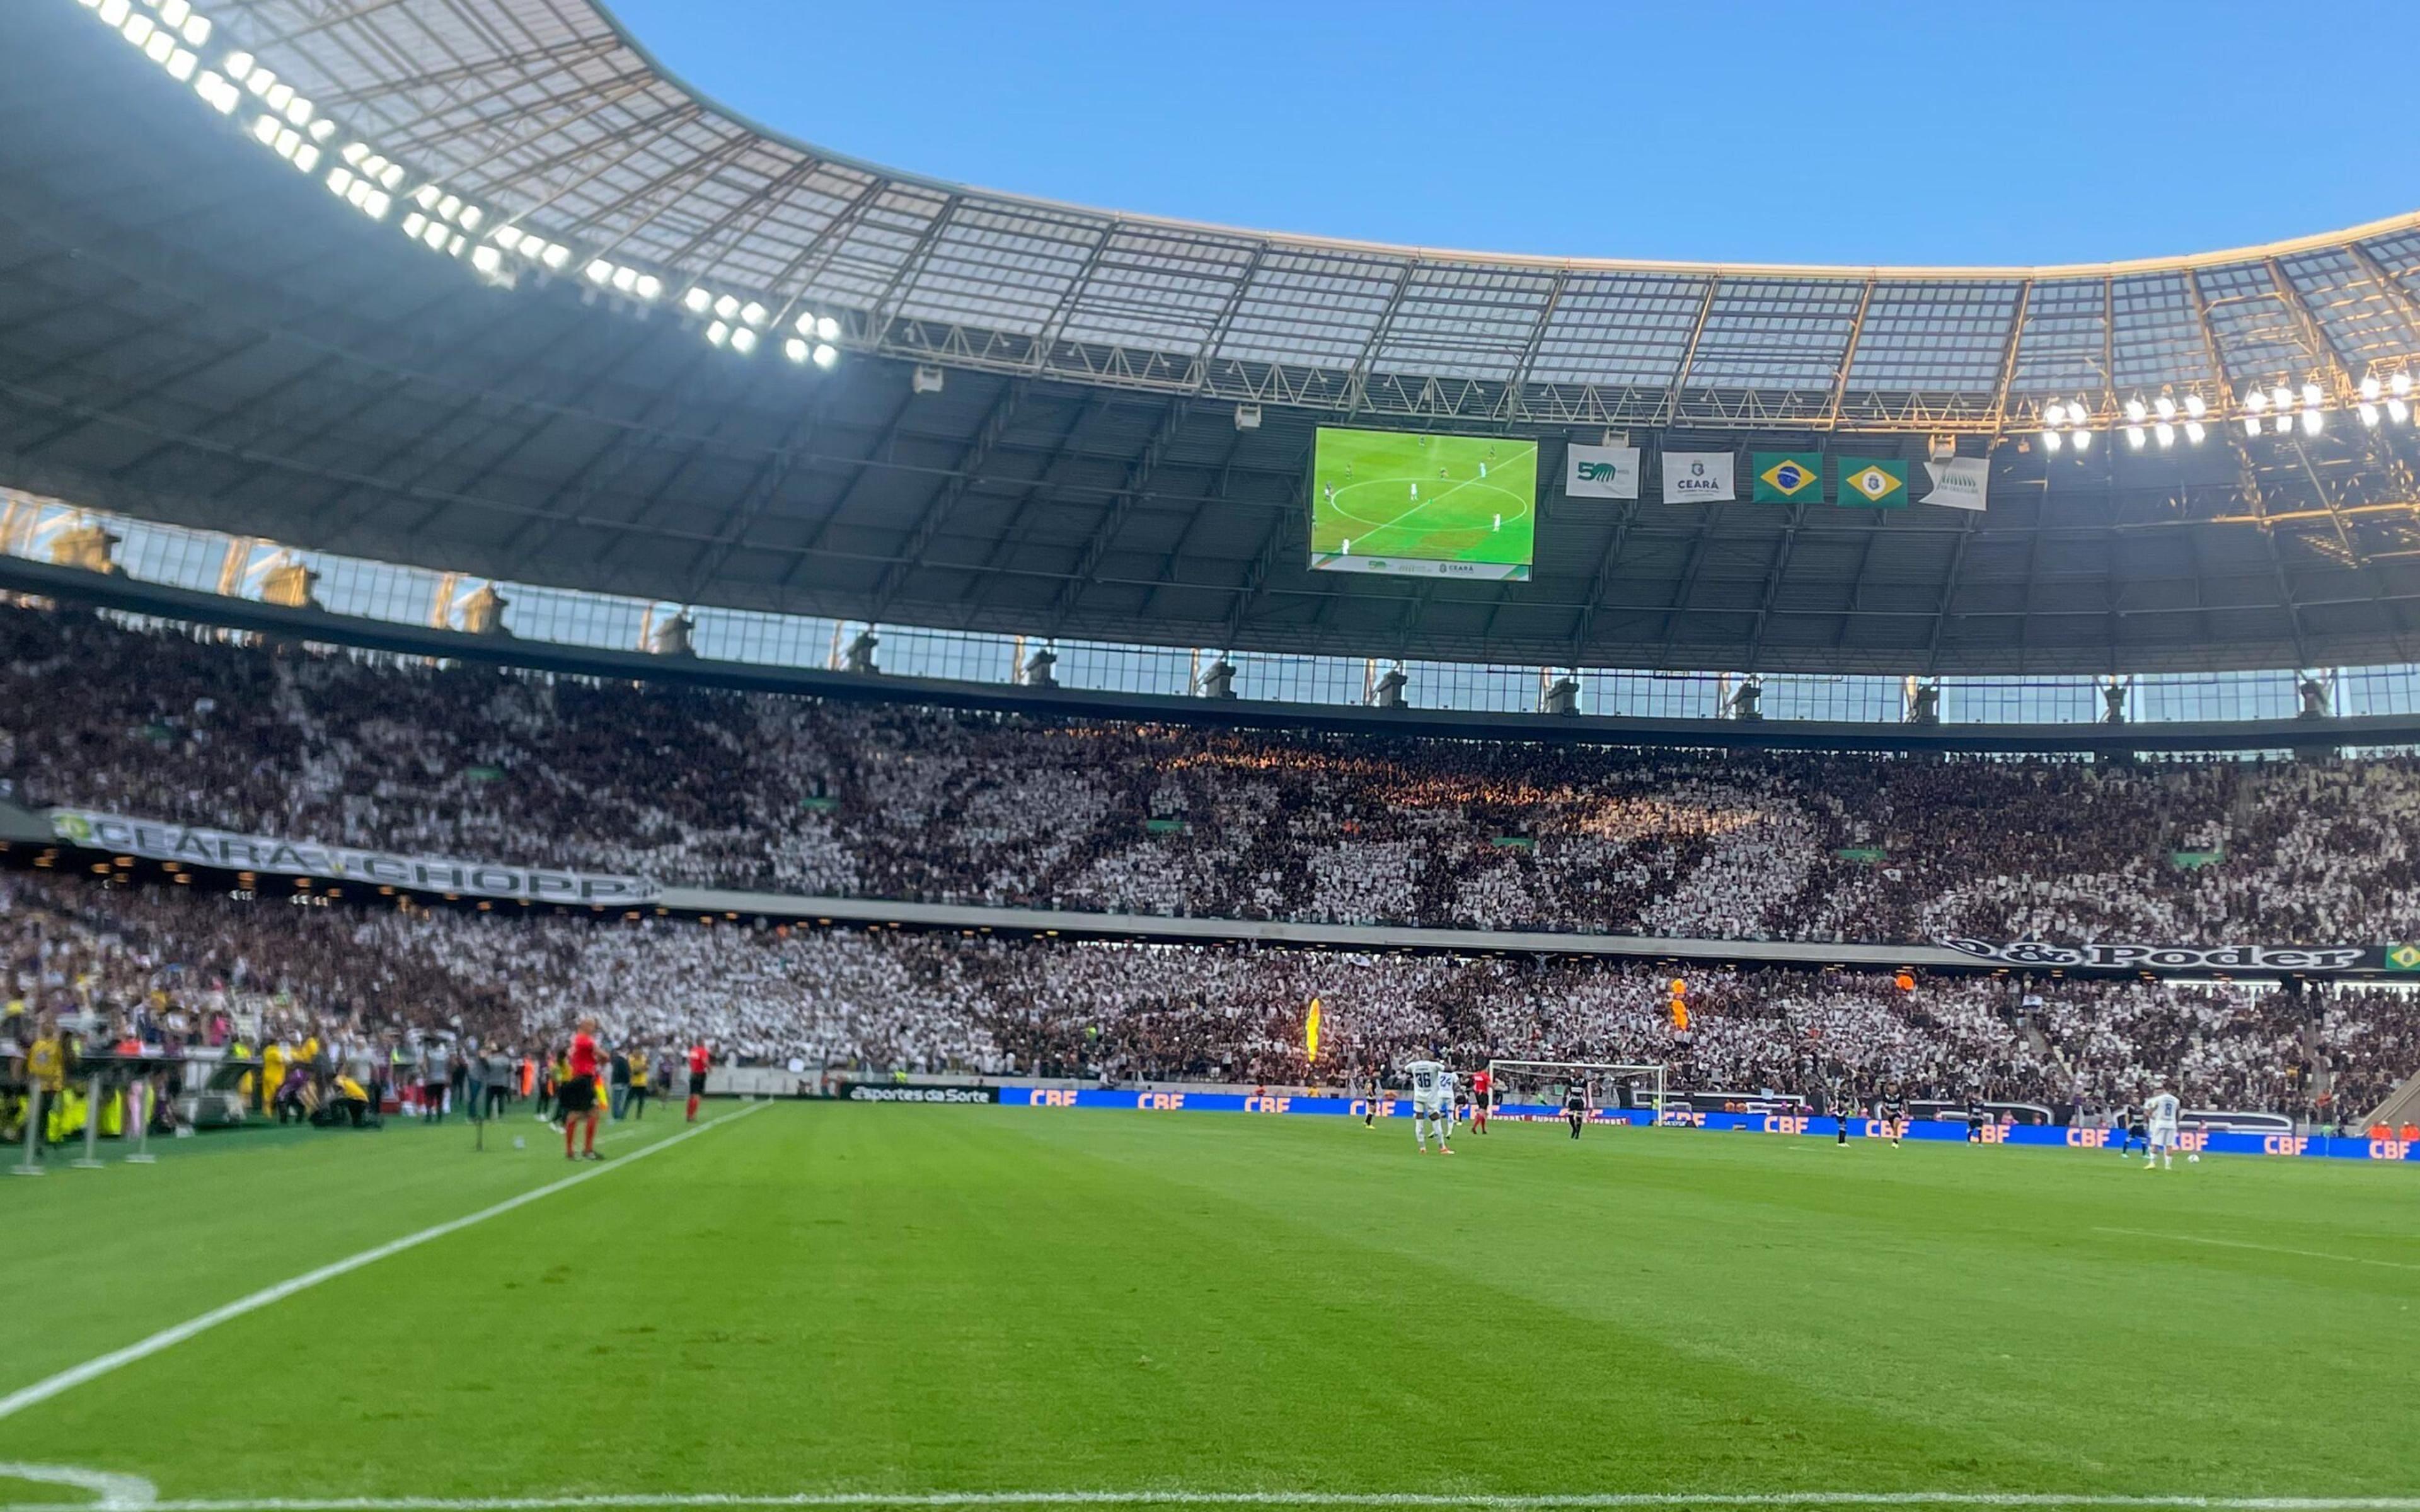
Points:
[[1439, 506]]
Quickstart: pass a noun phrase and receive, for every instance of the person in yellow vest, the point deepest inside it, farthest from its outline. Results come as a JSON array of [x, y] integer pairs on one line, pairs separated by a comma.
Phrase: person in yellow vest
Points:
[[273, 1073], [46, 1068], [637, 1084], [351, 1101]]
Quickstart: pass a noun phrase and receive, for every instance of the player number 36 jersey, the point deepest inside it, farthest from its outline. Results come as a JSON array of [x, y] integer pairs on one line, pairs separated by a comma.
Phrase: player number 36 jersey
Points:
[[1427, 1077]]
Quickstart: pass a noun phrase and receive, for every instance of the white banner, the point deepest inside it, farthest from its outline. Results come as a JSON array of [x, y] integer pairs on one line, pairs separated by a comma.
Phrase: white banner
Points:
[[156, 840], [1960, 482], [1601, 472], [1697, 477]]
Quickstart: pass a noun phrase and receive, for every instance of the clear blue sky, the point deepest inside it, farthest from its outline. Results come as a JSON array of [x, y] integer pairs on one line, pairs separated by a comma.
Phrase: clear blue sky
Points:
[[1949, 131]]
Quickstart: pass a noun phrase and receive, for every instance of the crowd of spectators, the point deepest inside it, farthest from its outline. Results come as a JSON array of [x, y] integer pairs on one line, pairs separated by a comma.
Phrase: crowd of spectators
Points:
[[795, 796], [363, 981]]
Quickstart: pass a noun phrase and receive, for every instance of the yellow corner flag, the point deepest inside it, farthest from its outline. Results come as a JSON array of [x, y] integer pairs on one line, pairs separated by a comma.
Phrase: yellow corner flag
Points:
[[1311, 1034]]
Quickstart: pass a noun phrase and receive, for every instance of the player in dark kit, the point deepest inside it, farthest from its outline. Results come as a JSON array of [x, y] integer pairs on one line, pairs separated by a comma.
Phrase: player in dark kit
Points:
[[578, 1094], [1575, 1108], [1892, 1110]]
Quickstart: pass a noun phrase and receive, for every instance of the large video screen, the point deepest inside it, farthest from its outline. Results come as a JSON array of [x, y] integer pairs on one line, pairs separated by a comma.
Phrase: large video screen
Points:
[[1439, 506]]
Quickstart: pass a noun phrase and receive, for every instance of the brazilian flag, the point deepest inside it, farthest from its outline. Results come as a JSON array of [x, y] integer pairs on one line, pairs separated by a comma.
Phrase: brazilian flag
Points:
[[2403, 958], [1787, 477], [1873, 482]]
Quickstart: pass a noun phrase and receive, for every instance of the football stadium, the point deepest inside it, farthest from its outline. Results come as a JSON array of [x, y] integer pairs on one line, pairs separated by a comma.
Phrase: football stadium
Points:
[[686, 822]]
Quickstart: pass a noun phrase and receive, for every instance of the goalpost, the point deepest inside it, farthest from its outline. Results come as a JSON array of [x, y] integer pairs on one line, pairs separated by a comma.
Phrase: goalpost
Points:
[[1607, 1086]]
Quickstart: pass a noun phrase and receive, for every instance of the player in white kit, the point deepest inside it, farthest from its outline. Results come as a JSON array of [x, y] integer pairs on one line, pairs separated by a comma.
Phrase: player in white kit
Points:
[[2160, 1112], [1432, 1102]]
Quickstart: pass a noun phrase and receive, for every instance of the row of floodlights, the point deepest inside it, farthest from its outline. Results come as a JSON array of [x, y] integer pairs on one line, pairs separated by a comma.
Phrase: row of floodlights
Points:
[[168, 31], [2282, 410]]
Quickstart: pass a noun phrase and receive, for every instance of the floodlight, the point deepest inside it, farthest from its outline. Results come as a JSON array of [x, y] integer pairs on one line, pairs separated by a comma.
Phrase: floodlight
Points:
[[696, 302], [556, 256], [2050, 441], [2370, 386], [354, 152], [794, 349], [297, 109], [174, 12], [487, 259], [2251, 424], [138, 28], [2281, 396], [2135, 410], [181, 65], [727, 307], [237, 65], [339, 179], [826, 354], [435, 235], [2368, 413], [2134, 436], [743, 341], [2084, 440], [196, 30], [2399, 385], [114, 12], [2164, 434], [2053, 413], [307, 157], [277, 96], [2194, 432], [508, 238], [718, 333], [2195, 407], [2255, 401], [2283, 424], [471, 217], [754, 314], [264, 131], [649, 286], [599, 272], [2166, 407], [2311, 395], [161, 45], [827, 328], [2397, 410], [450, 207], [2312, 422], [625, 279]]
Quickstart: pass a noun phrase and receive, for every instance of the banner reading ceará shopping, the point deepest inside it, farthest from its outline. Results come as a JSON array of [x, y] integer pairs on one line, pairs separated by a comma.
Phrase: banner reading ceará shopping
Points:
[[159, 840], [2129, 956]]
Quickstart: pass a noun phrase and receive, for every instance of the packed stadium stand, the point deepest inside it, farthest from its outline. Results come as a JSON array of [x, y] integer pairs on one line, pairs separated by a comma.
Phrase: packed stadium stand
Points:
[[792, 795]]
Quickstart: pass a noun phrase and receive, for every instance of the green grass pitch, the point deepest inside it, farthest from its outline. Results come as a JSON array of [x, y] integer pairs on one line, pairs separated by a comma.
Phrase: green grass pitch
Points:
[[1476, 499], [819, 1298]]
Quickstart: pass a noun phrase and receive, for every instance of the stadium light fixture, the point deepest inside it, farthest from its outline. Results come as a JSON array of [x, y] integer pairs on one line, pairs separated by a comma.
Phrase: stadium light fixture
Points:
[[726, 309], [2136, 413], [2165, 408], [2313, 422], [2398, 411], [2369, 414], [2195, 407], [2164, 434], [2255, 401], [827, 329], [826, 354], [114, 12], [743, 340], [794, 349], [2134, 438], [237, 65], [697, 302], [2083, 441], [2251, 424], [2371, 388], [2054, 413], [2399, 385], [2311, 395], [2050, 440], [717, 333], [2195, 431], [2282, 397], [487, 259]]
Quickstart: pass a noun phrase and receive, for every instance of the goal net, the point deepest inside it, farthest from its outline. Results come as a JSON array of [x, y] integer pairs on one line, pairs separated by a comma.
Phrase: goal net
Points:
[[1547, 1082]]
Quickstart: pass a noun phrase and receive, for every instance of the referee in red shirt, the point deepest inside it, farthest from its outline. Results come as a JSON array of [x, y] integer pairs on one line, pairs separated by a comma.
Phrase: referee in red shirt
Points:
[[577, 1098]]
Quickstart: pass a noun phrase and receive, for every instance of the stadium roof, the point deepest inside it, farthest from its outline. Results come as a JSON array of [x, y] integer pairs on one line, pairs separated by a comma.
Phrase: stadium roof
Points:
[[191, 331]]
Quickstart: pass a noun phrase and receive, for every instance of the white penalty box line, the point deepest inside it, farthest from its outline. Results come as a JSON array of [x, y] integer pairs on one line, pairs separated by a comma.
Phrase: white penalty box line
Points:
[[68, 1380], [1612, 1502]]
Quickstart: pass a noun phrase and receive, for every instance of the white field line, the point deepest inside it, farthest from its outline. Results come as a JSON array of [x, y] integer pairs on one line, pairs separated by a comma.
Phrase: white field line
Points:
[[877, 1500], [113, 1491], [42, 1391], [2267, 1249]]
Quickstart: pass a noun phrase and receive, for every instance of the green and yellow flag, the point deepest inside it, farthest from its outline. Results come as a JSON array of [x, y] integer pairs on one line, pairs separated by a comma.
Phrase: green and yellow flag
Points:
[[2403, 958], [1787, 477], [1311, 1034], [1873, 482]]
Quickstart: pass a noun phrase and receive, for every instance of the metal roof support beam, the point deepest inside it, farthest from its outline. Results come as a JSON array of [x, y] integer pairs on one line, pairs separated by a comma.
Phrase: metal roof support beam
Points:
[[1114, 518], [947, 497]]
